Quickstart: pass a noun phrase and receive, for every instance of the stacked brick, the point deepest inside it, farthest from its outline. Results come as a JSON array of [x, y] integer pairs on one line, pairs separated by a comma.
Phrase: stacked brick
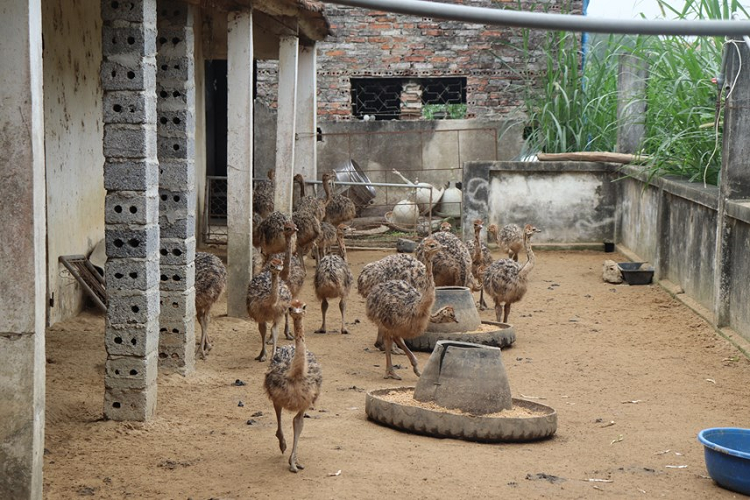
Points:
[[175, 82], [373, 44], [131, 171]]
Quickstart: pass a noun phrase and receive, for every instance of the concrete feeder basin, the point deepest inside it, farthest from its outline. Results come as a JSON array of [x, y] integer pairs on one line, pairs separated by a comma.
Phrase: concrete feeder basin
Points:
[[463, 393], [470, 328]]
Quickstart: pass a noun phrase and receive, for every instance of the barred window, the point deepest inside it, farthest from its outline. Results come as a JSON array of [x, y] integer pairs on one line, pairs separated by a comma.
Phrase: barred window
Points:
[[378, 97], [444, 91], [408, 98]]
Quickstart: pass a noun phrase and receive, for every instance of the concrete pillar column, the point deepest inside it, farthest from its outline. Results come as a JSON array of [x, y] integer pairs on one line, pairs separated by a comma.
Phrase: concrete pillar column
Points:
[[175, 106], [631, 103], [305, 149], [286, 125], [131, 178], [22, 256], [239, 160], [734, 181]]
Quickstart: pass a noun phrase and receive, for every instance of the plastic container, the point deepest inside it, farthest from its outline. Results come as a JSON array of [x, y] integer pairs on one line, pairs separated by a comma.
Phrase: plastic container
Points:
[[635, 273], [727, 455], [362, 196]]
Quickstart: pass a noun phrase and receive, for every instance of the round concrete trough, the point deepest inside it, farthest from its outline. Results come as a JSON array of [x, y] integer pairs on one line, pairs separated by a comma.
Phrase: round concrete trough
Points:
[[503, 336], [486, 429]]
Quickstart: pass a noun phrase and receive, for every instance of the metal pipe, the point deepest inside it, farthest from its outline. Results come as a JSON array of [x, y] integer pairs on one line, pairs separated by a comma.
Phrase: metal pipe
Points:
[[375, 184], [553, 22], [736, 17]]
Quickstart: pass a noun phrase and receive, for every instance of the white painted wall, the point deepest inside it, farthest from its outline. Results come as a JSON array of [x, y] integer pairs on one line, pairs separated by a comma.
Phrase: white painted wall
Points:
[[73, 142]]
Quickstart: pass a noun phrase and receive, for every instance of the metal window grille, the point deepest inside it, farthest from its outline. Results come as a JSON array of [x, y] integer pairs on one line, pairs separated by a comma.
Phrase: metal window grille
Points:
[[382, 97], [443, 90], [379, 97]]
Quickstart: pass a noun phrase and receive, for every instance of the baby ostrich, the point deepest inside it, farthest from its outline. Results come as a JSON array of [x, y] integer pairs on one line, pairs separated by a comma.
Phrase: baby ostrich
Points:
[[293, 382], [511, 240], [492, 234], [452, 266], [268, 298], [339, 208], [481, 258], [263, 195], [401, 311], [317, 206], [308, 230], [325, 240], [333, 279], [506, 280], [210, 282], [269, 235], [399, 266], [294, 272], [446, 227]]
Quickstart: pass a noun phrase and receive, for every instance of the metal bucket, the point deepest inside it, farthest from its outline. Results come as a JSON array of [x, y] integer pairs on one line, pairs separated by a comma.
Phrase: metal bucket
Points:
[[362, 196]]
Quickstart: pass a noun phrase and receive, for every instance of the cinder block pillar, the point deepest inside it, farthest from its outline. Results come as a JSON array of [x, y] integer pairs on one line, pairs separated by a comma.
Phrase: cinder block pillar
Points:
[[131, 173], [175, 82], [239, 160], [22, 256], [286, 129]]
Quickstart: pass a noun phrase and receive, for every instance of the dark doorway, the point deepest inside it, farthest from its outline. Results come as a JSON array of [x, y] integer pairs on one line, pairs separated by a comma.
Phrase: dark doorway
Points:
[[216, 117]]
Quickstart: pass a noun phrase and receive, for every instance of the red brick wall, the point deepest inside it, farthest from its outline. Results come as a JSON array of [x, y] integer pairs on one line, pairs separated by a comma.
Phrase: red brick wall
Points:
[[379, 44]]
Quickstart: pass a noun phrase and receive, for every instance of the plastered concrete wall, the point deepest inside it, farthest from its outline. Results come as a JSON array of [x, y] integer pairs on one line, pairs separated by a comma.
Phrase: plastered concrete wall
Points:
[[573, 203], [739, 297], [73, 142], [639, 213], [690, 248], [433, 151]]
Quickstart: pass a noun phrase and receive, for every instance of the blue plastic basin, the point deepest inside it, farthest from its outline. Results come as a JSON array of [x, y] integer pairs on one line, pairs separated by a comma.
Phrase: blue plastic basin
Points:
[[727, 453]]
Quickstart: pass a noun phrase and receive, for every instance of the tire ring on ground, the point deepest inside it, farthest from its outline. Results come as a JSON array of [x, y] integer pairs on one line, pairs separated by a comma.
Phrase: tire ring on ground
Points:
[[471, 428], [502, 337]]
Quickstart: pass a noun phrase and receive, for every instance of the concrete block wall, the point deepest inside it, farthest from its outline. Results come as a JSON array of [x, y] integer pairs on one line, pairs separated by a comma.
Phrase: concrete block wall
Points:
[[128, 79], [377, 44], [175, 111]]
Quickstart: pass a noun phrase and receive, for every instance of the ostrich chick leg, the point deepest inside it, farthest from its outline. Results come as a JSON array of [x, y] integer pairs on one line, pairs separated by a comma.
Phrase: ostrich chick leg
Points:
[[499, 312], [389, 372], [323, 310], [204, 345], [342, 308], [380, 345], [482, 302], [262, 330], [409, 354], [279, 431], [298, 423], [507, 313]]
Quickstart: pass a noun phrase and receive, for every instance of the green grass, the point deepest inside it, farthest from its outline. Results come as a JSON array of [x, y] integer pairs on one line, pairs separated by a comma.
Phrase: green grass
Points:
[[574, 107]]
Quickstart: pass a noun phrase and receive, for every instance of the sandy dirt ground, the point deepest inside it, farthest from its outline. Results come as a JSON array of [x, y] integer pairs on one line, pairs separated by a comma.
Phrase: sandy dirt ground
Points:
[[633, 374]]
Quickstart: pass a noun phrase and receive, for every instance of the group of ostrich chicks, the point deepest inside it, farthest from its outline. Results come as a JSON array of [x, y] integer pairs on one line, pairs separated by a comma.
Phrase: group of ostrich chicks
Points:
[[399, 289]]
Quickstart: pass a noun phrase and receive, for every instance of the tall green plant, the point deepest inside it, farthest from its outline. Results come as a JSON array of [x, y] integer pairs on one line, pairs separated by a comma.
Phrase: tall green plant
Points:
[[574, 107]]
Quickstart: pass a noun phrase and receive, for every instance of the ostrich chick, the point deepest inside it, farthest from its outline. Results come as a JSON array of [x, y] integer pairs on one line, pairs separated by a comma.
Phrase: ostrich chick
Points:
[[481, 258], [511, 240], [506, 280], [269, 234], [210, 283], [452, 264], [399, 266], [268, 298], [293, 382], [313, 204], [401, 311], [333, 279], [339, 208], [263, 195]]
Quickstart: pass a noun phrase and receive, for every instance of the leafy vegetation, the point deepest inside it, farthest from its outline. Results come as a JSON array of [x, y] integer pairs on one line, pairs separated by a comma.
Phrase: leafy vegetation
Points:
[[575, 106]]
